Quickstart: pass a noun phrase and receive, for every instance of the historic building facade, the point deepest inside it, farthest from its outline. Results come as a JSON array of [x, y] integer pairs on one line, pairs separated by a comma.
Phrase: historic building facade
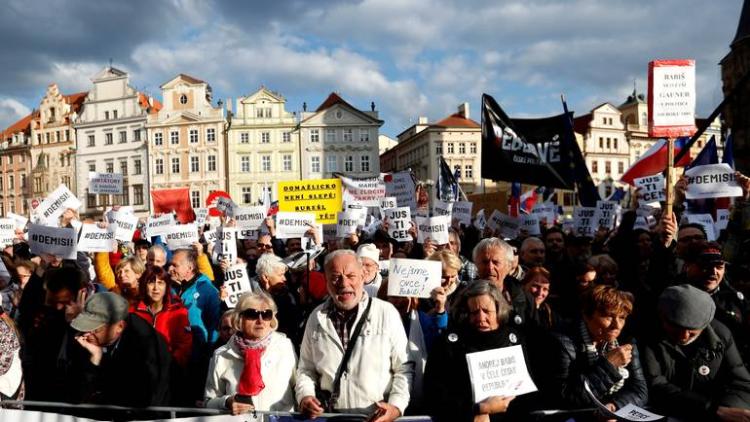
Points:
[[15, 166]]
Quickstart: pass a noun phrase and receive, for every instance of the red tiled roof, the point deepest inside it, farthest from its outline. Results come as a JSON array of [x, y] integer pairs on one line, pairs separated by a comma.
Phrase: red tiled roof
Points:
[[456, 120], [143, 102], [75, 100], [581, 123], [331, 101], [191, 79], [22, 125]]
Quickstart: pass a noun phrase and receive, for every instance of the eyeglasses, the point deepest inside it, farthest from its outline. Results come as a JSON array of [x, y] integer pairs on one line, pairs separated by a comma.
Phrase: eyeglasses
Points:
[[264, 246], [255, 314]]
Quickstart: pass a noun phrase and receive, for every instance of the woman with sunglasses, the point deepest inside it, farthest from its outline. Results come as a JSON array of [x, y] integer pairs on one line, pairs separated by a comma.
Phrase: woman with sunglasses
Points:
[[255, 369]]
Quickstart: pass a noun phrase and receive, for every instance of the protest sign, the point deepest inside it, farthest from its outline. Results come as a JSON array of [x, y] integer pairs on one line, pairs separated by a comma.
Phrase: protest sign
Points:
[[403, 187], [367, 191], [651, 189], [722, 220], [320, 197], [96, 239], [181, 236], [546, 213], [640, 223], [442, 208], [388, 202], [211, 235], [5, 279], [507, 225], [226, 245], [399, 223], [359, 210], [105, 183], [250, 217], [7, 231], [201, 214], [236, 282], [248, 234], [480, 221], [499, 372], [346, 224], [225, 205], [568, 224], [124, 226], [530, 223], [434, 228], [711, 181], [56, 203], [705, 220], [632, 412], [606, 213], [462, 212], [492, 222], [413, 277], [19, 220], [329, 232], [60, 242], [157, 226], [584, 224], [671, 98], [294, 224]]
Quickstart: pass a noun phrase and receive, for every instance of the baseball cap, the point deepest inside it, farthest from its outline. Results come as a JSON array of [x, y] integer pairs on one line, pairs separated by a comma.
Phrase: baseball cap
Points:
[[101, 309]]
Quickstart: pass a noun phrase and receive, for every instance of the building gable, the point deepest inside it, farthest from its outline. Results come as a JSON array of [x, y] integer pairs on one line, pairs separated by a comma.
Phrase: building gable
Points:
[[340, 115]]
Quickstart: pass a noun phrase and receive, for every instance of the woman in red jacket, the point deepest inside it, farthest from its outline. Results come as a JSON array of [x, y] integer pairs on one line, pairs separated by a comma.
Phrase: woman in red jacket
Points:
[[166, 313]]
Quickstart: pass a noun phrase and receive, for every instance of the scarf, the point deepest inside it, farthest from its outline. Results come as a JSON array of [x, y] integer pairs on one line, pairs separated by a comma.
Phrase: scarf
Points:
[[593, 353], [251, 380]]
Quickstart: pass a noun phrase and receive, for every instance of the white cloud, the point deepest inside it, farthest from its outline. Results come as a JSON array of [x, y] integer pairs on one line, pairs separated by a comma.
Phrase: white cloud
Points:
[[11, 110]]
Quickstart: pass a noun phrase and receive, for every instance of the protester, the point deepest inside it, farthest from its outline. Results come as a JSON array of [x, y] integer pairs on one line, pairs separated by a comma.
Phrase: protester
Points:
[[11, 370], [468, 270], [255, 370], [532, 253], [226, 329], [537, 284], [271, 273], [10, 296], [124, 279], [449, 282], [156, 256], [369, 255]]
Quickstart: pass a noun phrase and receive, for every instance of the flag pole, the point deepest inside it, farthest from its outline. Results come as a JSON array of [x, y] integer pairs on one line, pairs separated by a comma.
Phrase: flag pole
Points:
[[670, 177]]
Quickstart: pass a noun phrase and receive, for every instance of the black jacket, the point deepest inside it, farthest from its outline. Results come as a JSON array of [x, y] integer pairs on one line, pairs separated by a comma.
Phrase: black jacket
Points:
[[692, 381]]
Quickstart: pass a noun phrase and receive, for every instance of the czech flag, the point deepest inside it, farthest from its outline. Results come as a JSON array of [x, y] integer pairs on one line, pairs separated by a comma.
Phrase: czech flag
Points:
[[529, 198], [514, 203], [654, 160]]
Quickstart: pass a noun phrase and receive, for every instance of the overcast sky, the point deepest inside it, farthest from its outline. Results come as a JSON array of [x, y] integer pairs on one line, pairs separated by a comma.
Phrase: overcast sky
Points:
[[412, 58]]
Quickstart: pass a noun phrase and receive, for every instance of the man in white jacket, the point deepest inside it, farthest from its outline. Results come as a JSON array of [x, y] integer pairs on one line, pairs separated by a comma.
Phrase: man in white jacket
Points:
[[377, 377]]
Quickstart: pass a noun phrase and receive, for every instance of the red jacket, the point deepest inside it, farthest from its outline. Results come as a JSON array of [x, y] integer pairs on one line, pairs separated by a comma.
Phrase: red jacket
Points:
[[172, 323]]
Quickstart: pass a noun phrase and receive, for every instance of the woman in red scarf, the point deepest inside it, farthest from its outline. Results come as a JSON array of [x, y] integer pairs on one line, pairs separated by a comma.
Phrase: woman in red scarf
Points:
[[255, 369]]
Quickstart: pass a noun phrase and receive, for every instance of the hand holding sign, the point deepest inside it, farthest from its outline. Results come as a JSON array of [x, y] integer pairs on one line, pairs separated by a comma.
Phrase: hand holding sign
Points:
[[413, 277]]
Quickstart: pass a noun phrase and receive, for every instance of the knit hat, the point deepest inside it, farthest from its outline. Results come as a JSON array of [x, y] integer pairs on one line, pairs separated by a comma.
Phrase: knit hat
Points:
[[368, 250], [101, 309], [686, 307]]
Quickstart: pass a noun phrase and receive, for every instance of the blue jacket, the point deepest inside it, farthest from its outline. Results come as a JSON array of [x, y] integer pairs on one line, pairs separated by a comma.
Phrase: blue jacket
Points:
[[201, 299]]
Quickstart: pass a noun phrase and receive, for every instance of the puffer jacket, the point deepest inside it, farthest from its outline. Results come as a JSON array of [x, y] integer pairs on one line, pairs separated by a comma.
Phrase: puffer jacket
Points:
[[173, 324], [201, 299]]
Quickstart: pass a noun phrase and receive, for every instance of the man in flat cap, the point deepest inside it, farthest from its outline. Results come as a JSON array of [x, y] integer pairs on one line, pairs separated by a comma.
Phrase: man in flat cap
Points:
[[693, 367], [121, 360]]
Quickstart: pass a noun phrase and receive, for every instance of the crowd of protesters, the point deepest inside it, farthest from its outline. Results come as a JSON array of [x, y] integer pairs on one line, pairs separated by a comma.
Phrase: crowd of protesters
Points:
[[655, 318]]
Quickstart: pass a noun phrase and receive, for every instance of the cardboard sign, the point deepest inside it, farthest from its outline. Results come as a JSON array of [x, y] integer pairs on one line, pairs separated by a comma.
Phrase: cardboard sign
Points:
[[403, 187], [480, 221], [60, 242], [105, 183], [7, 231], [293, 224], [530, 223], [359, 210], [201, 214], [499, 372], [56, 203], [346, 224], [320, 197], [368, 191], [226, 245], [250, 217], [671, 98], [413, 277], [399, 223], [705, 220], [462, 212], [508, 226], [388, 202], [19, 220], [181, 236], [159, 226], [711, 181], [606, 214], [722, 221], [125, 225], [96, 239], [236, 282], [584, 223], [442, 208], [434, 228], [248, 234], [651, 189]]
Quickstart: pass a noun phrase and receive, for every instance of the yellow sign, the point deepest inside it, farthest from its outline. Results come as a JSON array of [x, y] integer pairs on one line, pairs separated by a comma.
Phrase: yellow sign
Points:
[[321, 197]]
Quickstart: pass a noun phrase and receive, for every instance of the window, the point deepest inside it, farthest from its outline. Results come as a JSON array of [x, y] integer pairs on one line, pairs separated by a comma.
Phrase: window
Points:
[[211, 163], [247, 194], [1, 184], [265, 137], [450, 147], [314, 135], [604, 120], [211, 134], [137, 194], [462, 148], [265, 163], [174, 137], [286, 137], [245, 164], [245, 138], [364, 135], [108, 138], [92, 166], [259, 113], [609, 145], [348, 135], [11, 182], [110, 167], [620, 167], [183, 99], [601, 143], [175, 164], [158, 139], [23, 181], [469, 171], [457, 170], [331, 163], [439, 149], [330, 135], [90, 200], [194, 166], [287, 162], [123, 137], [92, 141], [124, 168], [472, 148], [136, 166], [114, 114], [106, 115], [594, 166], [268, 112], [10, 159], [195, 198], [364, 163], [315, 164], [193, 136], [159, 166], [349, 163], [607, 167], [614, 143], [136, 135]]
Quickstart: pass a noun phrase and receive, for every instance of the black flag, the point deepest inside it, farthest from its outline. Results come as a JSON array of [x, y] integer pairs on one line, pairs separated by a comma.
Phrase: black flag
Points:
[[447, 185]]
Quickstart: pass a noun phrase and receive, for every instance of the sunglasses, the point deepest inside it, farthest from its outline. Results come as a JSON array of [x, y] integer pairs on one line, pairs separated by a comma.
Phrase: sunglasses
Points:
[[264, 246], [255, 314]]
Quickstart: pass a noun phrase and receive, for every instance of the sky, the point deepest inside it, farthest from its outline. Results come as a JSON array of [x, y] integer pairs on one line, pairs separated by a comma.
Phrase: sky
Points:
[[411, 57]]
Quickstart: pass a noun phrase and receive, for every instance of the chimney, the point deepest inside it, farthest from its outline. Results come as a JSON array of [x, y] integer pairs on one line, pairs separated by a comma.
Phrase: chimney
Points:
[[150, 101], [463, 110], [422, 120], [229, 105]]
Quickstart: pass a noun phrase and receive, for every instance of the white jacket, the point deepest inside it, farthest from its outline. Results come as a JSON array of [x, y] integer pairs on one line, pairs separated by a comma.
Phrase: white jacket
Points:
[[378, 368], [277, 366]]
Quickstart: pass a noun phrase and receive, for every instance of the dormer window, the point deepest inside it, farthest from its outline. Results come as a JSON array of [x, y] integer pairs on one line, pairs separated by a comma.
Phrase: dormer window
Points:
[[183, 99]]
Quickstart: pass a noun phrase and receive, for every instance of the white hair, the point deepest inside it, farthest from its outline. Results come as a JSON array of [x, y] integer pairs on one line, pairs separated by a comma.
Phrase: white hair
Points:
[[493, 242], [268, 264], [340, 252]]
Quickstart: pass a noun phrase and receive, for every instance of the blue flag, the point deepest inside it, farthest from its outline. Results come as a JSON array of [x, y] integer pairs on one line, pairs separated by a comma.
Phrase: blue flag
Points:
[[708, 155], [728, 157]]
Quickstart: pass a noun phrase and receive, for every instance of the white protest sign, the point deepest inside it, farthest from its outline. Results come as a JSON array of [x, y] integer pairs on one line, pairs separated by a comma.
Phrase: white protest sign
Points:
[[495, 217], [158, 226], [546, 212], [293, 224], [181, 236], [388, 202], [236, 282], [399, 223], [568, 224], [722, 220], [226, 245], [105, 183], [584, 224], [651, 189], [671, 97], [200, 216], [640, 223], [402, 186], [248, 234], [367, 191], [60, 242], [329, 232], [705, 220], [508, 226], [711, 181], [499, 372], [56, 203], [96, 239], [606, 213], [125, 225], [225, 205], [250, 217], [211, 235], [346, 224], [413, 277], [359, 210], [7, 231], [480, 221], [530, 223], [632, 412], [434, 228], [442, 208], [462, 212], [18, 219]]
